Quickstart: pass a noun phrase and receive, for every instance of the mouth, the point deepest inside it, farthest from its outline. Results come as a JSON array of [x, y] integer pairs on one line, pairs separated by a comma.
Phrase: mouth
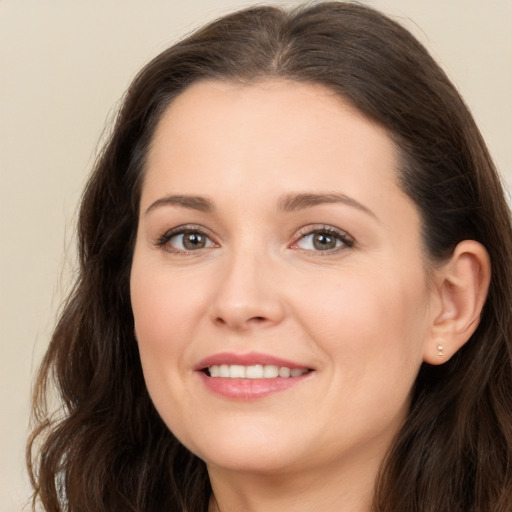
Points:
[[250, 376], [255, 371]]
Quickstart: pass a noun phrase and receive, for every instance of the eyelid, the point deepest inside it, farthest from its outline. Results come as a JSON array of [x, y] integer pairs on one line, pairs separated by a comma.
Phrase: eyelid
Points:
[[162, 240], [347, 240]]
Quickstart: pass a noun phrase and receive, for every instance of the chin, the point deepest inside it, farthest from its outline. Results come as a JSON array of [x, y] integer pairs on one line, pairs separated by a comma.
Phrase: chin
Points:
[[250, 461], [247, 450]]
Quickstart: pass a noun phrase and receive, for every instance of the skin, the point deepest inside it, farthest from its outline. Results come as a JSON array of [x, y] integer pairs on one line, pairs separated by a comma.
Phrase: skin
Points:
[[363, 315]]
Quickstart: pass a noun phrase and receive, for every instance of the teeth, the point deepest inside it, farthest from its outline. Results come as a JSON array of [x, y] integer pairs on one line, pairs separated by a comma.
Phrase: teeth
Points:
[[270, 371], [256, 371], [284, 372], [237, 371]]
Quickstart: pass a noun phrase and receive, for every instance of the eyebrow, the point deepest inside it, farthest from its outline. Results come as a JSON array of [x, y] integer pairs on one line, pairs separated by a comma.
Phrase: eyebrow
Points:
[[193, 202], [288, 203], [294, 202]]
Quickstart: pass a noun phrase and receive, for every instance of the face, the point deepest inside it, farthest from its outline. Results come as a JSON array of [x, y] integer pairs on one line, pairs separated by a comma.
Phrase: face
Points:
[[278, 283]]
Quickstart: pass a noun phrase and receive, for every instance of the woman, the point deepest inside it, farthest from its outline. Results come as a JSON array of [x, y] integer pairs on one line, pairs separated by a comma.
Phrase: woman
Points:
[[285, 298]]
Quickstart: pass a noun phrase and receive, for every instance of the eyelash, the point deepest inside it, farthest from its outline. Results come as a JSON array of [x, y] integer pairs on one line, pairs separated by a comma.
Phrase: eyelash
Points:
[[346, 240], [181, 230]]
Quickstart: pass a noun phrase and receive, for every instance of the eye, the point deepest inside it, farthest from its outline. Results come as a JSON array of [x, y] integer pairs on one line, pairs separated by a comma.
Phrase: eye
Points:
[[324, 239], [189, 241], [185, 240]]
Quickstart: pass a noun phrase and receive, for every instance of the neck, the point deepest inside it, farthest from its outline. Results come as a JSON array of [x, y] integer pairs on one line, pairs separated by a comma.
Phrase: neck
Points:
[[328, 489]]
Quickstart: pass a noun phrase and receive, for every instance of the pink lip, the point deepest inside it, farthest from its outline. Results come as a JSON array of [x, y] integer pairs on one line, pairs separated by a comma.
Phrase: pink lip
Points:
[[248, 389], [248, 359]]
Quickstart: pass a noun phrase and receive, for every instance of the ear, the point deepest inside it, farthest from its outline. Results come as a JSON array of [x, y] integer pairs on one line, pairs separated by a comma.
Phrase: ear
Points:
[[461, 286]]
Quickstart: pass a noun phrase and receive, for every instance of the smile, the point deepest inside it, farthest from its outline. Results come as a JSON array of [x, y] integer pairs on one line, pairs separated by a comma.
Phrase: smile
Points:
[[256, 371], [250, 376]]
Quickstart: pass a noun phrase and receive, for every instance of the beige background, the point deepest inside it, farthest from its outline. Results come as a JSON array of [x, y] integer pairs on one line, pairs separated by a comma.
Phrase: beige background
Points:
[[63, 67]]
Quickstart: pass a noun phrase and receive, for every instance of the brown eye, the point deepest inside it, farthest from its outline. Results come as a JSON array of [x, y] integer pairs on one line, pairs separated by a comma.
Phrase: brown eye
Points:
[[193, 240], [189, 240], [323, 241]]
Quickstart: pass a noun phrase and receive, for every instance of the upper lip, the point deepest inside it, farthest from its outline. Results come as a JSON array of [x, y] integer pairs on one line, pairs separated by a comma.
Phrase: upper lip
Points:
[[249, 359]]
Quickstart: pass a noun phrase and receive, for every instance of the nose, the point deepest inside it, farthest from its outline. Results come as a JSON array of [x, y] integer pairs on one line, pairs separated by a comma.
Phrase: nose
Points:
[[248, 294]]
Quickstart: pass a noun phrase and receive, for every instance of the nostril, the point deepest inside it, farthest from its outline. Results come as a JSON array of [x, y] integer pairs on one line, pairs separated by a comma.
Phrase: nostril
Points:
[[254, 319]]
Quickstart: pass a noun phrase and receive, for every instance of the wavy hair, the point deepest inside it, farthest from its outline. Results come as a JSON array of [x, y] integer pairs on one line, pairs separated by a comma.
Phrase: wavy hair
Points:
[[107, 449]]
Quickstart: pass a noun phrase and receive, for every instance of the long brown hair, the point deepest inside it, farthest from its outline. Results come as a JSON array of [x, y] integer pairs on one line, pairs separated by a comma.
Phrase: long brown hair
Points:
[[107, 449]]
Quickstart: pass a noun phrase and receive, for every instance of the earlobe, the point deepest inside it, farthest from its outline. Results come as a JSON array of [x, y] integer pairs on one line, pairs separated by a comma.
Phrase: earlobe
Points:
[[461, 287]]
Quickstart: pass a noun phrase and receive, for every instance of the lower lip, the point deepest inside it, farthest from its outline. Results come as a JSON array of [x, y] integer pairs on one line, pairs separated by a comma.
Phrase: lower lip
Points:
[[249, 389]]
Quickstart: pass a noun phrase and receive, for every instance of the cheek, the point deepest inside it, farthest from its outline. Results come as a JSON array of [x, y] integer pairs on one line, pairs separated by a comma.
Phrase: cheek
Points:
[[374, 331], [164, 317], [165, 307], [365, 319]]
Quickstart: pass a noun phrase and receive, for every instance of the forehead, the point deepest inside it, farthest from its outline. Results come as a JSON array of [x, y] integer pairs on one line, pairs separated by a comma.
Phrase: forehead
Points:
[[269, 137], [283, 115]]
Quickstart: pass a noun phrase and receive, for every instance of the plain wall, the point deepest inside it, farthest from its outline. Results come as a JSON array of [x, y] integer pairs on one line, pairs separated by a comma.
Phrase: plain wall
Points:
[[64, 66]]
